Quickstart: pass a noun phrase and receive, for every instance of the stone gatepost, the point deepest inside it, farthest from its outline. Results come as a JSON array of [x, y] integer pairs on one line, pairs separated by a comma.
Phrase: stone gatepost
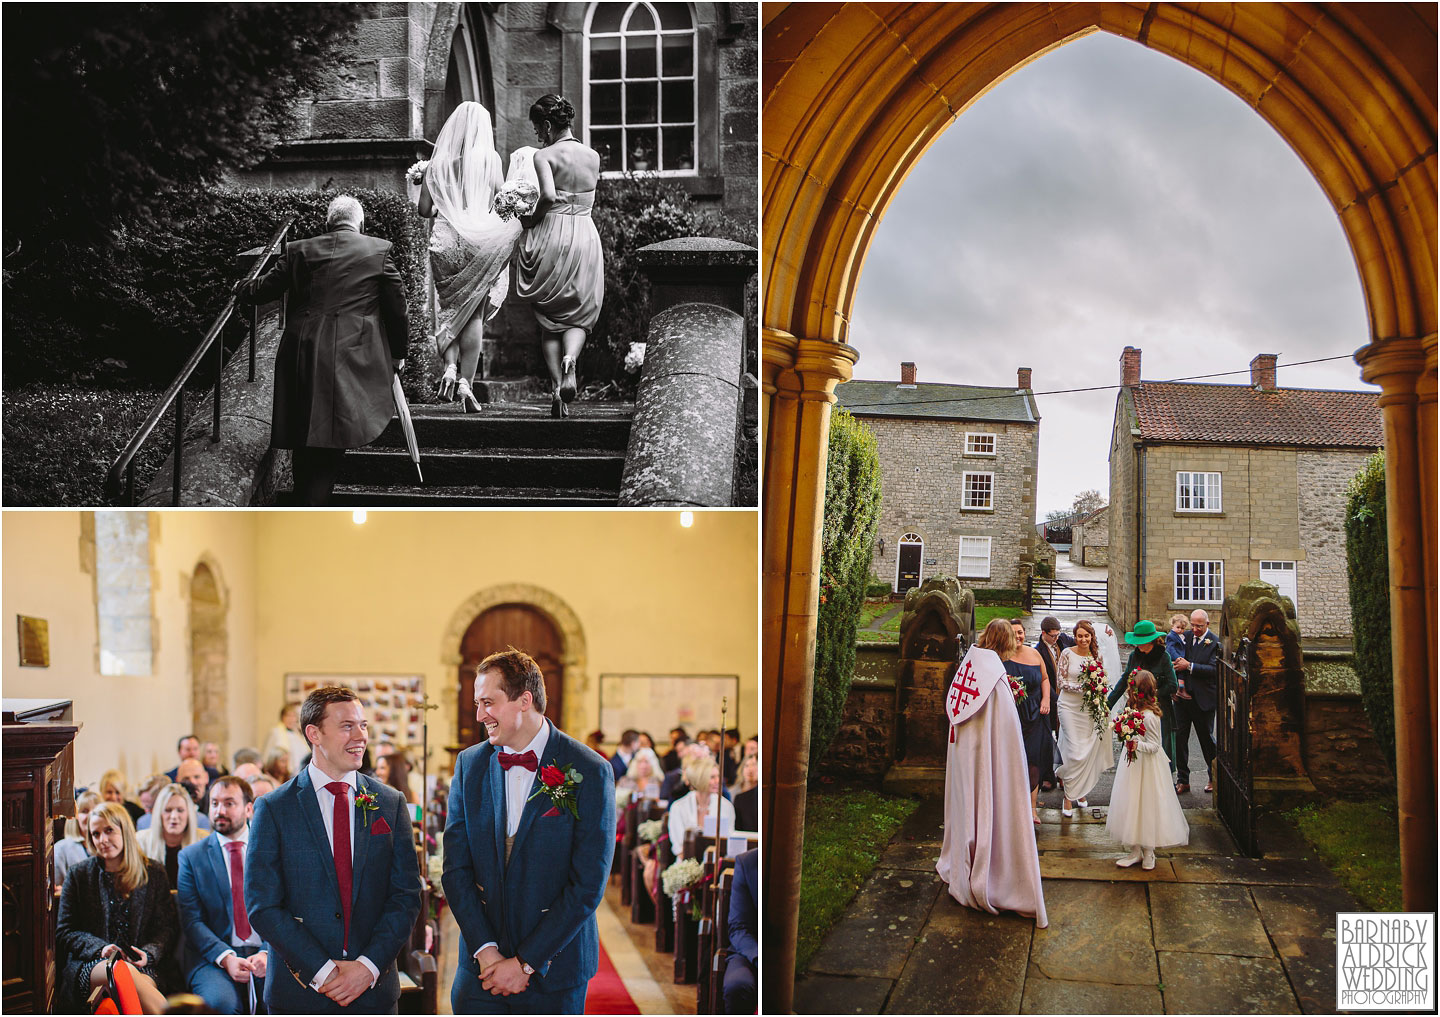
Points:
[[688, 407], [1258, 613], [937, 627]]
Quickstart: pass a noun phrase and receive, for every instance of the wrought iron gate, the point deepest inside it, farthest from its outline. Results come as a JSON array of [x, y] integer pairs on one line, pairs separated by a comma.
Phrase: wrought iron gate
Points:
[[1066, 594], [1234, 775]]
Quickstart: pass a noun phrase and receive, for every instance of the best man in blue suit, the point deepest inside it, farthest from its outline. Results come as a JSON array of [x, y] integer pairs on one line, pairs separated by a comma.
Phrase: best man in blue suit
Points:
[[222, 955], [523, 875], [331, 878]]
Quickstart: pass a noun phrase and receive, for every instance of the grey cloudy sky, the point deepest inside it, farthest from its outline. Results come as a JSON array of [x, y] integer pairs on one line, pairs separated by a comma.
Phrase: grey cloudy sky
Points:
[[1106, 196]]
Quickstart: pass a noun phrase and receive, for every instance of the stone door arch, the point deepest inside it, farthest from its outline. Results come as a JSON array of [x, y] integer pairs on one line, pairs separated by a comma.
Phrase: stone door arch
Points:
[[854, 94], [209, 656], [457, 64]]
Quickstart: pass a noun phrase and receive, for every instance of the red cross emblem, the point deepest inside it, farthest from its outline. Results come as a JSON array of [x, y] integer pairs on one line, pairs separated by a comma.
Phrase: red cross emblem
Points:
[[963, 688]]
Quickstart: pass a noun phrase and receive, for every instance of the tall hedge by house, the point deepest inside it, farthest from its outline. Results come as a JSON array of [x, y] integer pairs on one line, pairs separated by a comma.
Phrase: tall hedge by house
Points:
[[1368, 568], [852, 517]]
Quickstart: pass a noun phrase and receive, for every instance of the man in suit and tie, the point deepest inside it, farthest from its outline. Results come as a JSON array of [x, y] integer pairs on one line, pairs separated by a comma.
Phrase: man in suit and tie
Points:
[[345, 337], [624, 752], [224, 959], [1198, 668], [331, 878], [528, 844], [188, 747], [1053, 639], [742, 923]]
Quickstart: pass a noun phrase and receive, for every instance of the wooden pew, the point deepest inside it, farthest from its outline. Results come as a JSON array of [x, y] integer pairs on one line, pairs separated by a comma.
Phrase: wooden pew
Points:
[[625, 852], [664, 913], [642, 905], [422, 994]]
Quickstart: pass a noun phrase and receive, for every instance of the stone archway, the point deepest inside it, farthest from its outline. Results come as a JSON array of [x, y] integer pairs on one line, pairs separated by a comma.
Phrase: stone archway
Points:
[[209, 655], [853, 96], [566, 622], [457, 65]]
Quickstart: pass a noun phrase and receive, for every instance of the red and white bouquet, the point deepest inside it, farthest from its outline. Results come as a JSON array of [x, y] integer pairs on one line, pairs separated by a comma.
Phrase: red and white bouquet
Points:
[[1129, 728], [1017, 689], [1095, 692], [516, 197]]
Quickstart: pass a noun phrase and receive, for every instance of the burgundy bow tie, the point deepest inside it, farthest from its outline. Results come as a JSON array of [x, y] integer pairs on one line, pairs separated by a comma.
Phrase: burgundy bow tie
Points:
[[525, 759]]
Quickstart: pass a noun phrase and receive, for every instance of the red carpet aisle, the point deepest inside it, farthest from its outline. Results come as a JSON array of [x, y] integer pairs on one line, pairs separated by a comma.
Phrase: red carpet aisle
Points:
[[607, 993]]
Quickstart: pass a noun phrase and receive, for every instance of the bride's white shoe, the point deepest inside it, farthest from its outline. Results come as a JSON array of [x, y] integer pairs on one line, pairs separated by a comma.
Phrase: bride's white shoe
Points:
[[1130, 859], [448, 383], [467, 399]]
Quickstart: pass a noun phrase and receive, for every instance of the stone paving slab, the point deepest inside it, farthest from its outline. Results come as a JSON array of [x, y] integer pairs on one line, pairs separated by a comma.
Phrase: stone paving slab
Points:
[[1207, 918], [1099, 932], [1053, 995], [918, 855], [1254, 871], [1301, 922], [1215, 983], [1094, 837], [967, 961], [1065, 865], [824, 994], [926, 824], [879, 928]]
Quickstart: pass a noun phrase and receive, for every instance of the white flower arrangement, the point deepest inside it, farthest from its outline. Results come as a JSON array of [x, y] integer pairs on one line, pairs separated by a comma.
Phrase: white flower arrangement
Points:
[[635, 358], [515, 197], [650, 830], [416, 173], [622, 798], [436, 872], [681, 876]]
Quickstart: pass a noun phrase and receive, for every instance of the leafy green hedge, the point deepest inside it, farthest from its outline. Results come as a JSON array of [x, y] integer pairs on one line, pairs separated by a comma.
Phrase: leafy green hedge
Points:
[[134, 313], [999, 595], [852, 516], [1367, 564]]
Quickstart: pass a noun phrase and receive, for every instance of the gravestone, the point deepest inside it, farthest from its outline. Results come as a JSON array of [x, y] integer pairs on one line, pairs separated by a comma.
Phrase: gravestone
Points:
[[937, 626], [1257, 613]]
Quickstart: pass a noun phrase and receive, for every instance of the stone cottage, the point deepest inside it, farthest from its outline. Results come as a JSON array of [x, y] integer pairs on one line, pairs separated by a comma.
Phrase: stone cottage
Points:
[[668, 88], [957, 478], [1213, 485], [1090, 538]]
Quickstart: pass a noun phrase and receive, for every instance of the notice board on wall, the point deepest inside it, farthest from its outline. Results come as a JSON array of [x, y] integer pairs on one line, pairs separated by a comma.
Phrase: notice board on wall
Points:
[[658, 702], [393, 703]]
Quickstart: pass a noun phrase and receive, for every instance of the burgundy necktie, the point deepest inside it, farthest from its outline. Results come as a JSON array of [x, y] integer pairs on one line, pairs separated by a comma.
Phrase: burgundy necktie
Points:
[[237, 889], [341, 841], [526, 759]]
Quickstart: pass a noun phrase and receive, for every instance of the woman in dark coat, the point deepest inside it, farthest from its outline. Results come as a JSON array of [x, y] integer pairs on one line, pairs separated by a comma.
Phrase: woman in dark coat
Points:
[[114, 904], [1149, 655]]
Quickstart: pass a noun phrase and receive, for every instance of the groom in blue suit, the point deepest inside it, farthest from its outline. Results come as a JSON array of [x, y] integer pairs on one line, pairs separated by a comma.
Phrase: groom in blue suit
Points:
[[331, 878], [528, 843]]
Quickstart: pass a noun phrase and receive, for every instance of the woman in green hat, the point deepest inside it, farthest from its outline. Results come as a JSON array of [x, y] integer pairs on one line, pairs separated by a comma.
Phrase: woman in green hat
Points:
[[1149, 655]]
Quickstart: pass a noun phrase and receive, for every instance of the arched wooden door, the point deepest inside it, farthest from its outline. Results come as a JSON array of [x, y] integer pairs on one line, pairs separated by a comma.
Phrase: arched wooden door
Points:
[[523, 627]]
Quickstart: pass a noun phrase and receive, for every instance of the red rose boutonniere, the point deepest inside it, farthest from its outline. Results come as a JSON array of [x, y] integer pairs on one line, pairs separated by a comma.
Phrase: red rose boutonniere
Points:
[[562, 785], [367, 802]]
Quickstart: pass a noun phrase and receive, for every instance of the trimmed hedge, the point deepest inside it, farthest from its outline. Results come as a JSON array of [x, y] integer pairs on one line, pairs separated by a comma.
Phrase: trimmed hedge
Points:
[[1368, 567], [852, 518], [999, 595]]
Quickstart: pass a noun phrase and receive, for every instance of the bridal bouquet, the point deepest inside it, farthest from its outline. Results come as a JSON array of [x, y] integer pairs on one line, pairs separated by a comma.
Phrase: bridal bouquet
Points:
[[416, 173], [1095, 692], [1129, 727], [516, 197]]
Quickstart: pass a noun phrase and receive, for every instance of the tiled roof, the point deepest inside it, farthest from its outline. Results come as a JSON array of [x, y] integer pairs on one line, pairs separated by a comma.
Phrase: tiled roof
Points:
[[935, 401], [1181, 411]]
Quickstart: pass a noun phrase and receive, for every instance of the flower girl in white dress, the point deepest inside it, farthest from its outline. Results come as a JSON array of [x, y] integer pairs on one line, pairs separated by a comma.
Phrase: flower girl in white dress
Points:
[[1145, 814]]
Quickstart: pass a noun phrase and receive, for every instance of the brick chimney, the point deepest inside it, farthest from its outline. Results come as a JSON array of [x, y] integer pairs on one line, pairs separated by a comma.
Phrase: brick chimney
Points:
[[1130, 366], [1022, 379], [907, 373], [1262, 371]]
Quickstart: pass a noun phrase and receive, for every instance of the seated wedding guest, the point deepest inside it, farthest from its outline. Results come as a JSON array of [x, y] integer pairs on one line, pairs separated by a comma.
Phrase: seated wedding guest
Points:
[[223, 955], [744, 926], [286, 735], [747, 797], [731, 755], [196, 779], [674, 784], [394, 769], [174, 826], [248, 771], [702, 774], [112, 788], [245, 755], [188, 747], [277, 766], [646, 742], [115, 904], [261, 785], [75, 847], [678, 740], [210, 756], [620, 762], [148, 791], [643, 772], [594, 742]]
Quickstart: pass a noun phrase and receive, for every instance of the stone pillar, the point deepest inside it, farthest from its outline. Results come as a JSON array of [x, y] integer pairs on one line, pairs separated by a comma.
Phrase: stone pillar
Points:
[[799, 382], [1398, 367], [687, 411]]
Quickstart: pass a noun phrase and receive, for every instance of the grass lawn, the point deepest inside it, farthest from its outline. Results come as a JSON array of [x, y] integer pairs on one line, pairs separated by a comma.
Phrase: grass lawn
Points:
[[875, 636], [1360, 841], [872, 609], [845, 832], [986, 613]]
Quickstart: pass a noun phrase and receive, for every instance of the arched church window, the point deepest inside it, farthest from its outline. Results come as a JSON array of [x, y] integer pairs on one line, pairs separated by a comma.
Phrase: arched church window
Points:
[[123, 602], [641, 87]]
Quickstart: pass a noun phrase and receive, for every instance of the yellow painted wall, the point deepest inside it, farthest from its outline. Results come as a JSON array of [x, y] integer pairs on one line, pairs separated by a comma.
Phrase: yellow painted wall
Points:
[[130, 722], [314, 592]]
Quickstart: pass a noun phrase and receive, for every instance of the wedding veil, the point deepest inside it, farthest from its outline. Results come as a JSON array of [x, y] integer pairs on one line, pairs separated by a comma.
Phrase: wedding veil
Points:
[[464, 173]]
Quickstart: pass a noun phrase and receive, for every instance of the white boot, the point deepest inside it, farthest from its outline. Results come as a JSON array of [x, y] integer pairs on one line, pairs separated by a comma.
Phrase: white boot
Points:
[[1130, 859], [1149, 859]]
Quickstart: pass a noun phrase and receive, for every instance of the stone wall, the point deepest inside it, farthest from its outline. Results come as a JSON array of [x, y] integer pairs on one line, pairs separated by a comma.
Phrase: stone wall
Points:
[[865, 743], [921, 467], [1124, 479], [1090, 541], [1341, 754], [1323, 590]]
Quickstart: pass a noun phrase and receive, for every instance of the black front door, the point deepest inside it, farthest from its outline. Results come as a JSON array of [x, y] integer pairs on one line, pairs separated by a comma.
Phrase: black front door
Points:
[[909, 566]]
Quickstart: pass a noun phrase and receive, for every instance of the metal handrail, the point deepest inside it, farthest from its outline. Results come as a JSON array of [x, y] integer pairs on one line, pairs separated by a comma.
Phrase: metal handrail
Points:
[[124, 465]]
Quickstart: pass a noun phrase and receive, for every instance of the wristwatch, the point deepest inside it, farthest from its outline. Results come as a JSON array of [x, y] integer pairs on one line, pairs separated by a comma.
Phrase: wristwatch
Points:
[[525, 967]]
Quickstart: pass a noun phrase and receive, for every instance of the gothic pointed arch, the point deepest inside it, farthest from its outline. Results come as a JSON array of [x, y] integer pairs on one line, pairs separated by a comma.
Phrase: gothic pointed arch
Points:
[[457, 64], [209, 603]]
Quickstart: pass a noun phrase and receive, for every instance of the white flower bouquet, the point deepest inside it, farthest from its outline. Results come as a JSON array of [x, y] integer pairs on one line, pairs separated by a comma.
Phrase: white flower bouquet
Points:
[[650, 830], [416, 173], [635, 358], [516, 197], [681, 876]]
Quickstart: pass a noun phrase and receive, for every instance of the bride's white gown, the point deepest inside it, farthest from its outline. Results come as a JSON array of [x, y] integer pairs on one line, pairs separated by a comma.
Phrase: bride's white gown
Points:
[[1144, 811], [1086, 752]]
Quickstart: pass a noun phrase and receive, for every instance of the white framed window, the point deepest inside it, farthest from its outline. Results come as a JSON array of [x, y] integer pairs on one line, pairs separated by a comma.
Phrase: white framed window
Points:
[[974, 561], [909, 562], [1199, 582], [1197, 492], [1281, 575], [641, 86], [979, 443], [977, 491]]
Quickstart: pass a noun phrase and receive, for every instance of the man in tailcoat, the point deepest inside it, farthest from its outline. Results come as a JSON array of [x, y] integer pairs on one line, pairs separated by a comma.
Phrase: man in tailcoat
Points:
[[1198, 666], [345, 337], [528, 842], [331, 877]]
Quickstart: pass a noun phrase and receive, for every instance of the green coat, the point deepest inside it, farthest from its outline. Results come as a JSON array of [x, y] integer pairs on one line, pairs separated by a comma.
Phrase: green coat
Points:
[[1157, 662]]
